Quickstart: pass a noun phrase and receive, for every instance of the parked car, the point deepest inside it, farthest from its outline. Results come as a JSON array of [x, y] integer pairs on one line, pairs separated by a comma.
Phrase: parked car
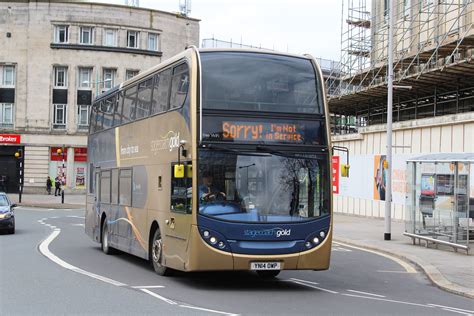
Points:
[[7, 216]]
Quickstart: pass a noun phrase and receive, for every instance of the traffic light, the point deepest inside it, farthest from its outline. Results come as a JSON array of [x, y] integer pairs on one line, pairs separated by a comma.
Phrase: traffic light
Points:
[[19, 154]]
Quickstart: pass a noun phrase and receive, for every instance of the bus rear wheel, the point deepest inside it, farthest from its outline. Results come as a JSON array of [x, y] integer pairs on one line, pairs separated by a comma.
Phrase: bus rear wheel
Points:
[[157, 255], [106, 248], [268, 274]]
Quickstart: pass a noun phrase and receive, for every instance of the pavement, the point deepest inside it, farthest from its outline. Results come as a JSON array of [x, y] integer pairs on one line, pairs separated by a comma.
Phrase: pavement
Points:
[[449, 270], [71, 201]]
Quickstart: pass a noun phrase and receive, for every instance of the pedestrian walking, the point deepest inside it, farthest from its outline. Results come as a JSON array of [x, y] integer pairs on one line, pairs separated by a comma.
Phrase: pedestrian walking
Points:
[[49, 185], [57, 186]]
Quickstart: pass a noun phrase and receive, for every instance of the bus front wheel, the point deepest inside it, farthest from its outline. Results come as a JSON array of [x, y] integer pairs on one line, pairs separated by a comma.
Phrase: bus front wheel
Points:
[[157, 255]]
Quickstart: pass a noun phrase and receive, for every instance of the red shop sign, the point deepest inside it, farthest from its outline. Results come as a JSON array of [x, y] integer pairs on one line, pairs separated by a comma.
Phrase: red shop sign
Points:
[[335, 174], [58, 157], [80, 154], [10, 139]]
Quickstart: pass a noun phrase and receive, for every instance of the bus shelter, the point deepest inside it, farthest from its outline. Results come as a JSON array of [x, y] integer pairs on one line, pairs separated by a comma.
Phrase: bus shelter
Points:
[[440, 199]]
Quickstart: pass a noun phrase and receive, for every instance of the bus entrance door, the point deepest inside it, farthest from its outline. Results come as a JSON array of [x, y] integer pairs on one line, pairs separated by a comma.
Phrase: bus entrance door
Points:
[[179, 221]]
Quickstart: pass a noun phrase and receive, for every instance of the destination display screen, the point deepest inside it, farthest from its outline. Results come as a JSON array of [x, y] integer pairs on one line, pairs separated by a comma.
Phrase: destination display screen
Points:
[[285, 131], [262, 131]]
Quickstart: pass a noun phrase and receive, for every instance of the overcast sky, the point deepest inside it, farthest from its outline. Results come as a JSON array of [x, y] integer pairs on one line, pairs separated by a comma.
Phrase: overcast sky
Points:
[[299, 26]]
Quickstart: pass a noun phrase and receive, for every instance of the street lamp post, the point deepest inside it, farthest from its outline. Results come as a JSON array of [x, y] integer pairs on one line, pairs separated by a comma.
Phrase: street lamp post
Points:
[[388, 193], [247, 168]]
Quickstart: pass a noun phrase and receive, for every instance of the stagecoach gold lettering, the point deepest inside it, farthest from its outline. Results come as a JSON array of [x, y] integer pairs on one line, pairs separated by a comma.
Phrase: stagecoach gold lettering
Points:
[[168, 142], [261, 131]]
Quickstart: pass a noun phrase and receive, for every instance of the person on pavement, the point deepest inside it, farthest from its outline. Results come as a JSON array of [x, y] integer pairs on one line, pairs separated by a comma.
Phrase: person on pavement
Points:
[[49, 185], [57, 186]]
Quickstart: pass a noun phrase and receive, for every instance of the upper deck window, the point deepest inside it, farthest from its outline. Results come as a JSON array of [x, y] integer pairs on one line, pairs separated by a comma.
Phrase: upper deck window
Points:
[[259, 82]]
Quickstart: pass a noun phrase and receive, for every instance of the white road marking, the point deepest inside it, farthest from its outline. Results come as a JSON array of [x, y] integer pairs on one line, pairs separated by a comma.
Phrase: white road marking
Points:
[[164, 299], [455, 308], [389, 271], [74, 216], [208, 310], [387, 300], [366, 293], [455, 311], [314, 287], [406, 266], [304, 281], [82, 225], [148, 287], [340, 249], [44, 249]]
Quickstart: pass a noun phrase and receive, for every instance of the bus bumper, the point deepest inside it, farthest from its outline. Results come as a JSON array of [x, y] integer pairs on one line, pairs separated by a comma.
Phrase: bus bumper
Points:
[[206, 258]]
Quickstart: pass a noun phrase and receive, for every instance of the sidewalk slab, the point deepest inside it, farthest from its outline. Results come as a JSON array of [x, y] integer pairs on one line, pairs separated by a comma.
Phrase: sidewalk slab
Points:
[[71, 201], [449, 270]]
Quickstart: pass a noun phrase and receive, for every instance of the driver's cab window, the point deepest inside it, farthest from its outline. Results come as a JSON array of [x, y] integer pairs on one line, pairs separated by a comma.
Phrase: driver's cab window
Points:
[[181, 188]]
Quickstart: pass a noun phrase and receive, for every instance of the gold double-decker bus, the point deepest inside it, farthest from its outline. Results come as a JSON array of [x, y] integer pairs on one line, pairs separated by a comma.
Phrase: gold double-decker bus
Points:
[[214, 160]]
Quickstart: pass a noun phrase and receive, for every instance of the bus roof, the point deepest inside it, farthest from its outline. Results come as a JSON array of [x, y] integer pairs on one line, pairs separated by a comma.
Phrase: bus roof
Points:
[[179, 56]]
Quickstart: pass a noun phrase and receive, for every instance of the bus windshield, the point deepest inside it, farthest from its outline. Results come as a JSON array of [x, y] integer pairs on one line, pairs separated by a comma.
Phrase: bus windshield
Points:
[[262, 187], [259, 82]]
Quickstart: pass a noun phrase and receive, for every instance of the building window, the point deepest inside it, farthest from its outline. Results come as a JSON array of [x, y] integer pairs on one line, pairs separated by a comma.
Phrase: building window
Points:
[[7, 74], [108, 78], [129, 74], [59, 116], [86, 36], [83, 116], [6, 115], [152, 42], [60, 77], [110, 37], [61, 34], [132, 39], [85, 75]]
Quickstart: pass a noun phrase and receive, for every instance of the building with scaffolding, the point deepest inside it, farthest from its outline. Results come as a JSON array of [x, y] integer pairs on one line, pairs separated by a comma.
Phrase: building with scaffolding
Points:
[[433, 101]]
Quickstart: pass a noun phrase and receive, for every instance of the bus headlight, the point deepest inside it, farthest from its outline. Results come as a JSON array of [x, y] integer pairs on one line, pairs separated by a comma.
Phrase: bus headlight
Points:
[[316, 240], [308, 244], [214, 239], [322, 234]]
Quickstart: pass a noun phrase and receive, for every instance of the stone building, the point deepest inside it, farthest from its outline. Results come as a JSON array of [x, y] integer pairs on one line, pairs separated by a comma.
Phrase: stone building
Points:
[[433, 104], [55, 57]]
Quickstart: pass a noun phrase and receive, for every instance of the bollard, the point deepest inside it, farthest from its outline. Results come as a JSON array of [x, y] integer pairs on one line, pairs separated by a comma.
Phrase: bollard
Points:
[[62, 197]]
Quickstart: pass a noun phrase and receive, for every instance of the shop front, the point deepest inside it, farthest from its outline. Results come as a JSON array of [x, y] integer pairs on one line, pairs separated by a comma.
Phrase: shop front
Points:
[[11, 167]]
